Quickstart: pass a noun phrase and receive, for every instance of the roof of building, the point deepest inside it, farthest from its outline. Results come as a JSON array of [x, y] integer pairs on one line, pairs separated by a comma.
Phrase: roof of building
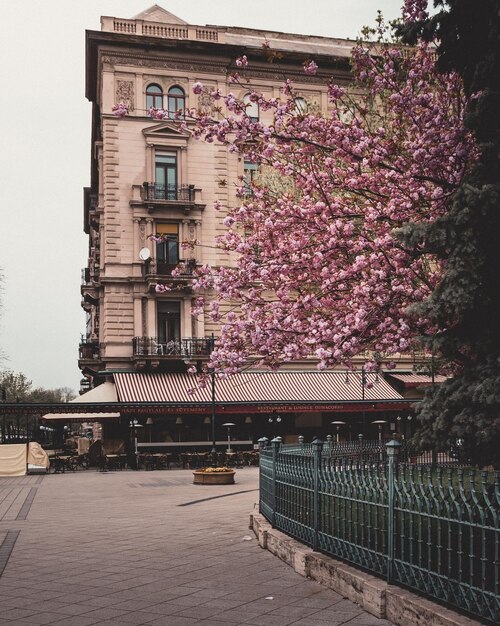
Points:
[[156, 13], [229, 35]]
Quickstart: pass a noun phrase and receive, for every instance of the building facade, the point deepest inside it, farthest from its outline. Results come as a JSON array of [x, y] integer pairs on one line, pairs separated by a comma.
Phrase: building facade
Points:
[[151, 177]]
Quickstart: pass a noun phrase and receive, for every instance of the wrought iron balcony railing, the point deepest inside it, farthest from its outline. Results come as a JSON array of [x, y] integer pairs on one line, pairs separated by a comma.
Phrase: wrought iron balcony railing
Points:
[[186, 268], [89, 350], [171, 193], [184, 348]]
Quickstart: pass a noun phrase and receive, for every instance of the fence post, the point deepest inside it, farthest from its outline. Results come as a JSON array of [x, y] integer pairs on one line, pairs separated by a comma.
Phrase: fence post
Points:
[[317, 449], [392, 457], [360, 439], [263, 443], [276, 448]]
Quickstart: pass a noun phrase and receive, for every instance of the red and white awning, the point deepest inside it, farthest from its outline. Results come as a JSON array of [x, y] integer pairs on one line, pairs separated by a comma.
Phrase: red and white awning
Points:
[[256, 388], [418, 380]]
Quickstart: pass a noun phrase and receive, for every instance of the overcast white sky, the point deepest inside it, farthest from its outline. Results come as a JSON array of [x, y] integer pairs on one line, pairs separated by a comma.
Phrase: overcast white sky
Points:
[[45, 148]]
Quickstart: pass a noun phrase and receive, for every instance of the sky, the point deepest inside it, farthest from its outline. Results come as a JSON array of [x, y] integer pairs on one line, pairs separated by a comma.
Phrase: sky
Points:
[[45, 155]]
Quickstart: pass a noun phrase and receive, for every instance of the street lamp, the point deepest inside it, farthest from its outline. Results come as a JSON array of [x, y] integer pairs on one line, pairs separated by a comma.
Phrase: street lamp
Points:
[[338, 424], [150, 423], [134, 425], [229, 425], [213, 452]]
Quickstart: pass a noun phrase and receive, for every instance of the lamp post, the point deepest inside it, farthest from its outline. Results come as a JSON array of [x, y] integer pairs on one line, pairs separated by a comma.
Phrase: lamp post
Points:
[[213, 452], [187, 360], [338, 424], [150, 423], [229, 425], [134, 425]]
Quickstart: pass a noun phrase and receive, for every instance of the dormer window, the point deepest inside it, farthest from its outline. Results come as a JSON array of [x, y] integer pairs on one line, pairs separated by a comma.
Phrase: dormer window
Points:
[[176, 101], [154, 97]]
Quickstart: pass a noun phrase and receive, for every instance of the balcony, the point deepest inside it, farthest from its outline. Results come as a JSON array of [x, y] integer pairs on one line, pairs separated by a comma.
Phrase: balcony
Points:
[[186, 268], [190, 348], [89, 351], [158, 196], [90, 275], [170, 193]]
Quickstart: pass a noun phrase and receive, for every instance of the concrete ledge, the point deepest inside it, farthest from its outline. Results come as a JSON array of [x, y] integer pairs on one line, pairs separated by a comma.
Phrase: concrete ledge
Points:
[[372, 594]]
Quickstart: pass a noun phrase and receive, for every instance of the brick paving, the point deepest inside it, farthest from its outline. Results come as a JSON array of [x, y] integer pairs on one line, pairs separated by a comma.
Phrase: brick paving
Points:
[[148, 548]]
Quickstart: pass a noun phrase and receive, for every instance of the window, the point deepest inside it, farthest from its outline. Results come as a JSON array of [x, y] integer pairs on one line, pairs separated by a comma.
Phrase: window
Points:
[[169, 326], [154, 97], [166, 176], [176, 101], [300, 106], [167, 252], [250, 170], [251, 108]]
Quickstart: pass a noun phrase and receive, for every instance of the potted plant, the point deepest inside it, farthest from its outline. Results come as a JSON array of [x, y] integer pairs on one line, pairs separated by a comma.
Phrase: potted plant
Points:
[[214, 476]]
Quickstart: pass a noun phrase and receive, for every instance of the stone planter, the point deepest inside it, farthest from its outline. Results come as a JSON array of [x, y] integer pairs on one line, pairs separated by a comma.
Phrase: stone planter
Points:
[[213, 478]]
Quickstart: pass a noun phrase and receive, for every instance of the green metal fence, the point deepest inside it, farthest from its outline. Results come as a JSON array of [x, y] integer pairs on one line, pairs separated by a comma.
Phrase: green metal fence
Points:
[[429, 527]]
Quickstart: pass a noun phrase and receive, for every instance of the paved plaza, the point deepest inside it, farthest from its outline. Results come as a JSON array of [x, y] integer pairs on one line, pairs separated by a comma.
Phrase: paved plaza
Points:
[[143, 547]]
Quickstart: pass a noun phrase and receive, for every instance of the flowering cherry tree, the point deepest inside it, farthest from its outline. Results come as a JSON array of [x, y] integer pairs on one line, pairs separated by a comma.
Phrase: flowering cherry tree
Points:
[[320, 267]]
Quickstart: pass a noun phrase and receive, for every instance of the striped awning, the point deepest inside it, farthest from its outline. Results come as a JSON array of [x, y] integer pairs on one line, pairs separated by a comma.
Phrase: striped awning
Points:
[[417, 380], [256, 387]]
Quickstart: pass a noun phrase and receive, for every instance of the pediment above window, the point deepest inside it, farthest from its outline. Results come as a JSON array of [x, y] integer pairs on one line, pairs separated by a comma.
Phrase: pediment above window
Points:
[[165, 130]]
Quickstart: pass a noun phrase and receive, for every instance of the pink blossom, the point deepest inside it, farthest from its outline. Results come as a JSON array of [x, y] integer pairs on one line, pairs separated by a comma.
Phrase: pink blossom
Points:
[[157, 114], [320, 270], [310, 68], [242, 61], [159, 288], [120, 109], [197, 87]]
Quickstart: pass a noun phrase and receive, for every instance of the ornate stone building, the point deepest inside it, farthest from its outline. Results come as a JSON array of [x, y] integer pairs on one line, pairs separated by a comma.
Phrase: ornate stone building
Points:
[[150, 177]]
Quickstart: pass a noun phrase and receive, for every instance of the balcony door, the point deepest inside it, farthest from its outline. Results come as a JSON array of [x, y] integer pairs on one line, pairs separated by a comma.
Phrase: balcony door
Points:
[[169, 327], [167, 251], [166, 176]]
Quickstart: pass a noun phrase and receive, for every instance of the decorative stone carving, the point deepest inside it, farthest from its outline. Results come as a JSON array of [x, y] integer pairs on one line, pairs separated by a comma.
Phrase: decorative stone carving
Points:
[[125, 93], [142, 230], [206, 104]]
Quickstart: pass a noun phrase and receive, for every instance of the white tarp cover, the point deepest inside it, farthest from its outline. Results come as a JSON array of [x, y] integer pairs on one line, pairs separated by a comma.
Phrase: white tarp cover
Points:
[[37, 455], [13, 459]]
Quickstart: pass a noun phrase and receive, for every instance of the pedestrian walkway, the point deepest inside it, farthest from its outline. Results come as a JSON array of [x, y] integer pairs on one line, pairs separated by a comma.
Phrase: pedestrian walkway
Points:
[[148, 548]]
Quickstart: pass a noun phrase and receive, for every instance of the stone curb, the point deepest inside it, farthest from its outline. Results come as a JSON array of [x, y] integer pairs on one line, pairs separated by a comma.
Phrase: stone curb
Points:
[[372, 594]]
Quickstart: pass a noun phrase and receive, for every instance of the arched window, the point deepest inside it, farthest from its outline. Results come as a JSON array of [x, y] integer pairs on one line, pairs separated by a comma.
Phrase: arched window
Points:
[[154, 97], [176, 101], [251, 108]]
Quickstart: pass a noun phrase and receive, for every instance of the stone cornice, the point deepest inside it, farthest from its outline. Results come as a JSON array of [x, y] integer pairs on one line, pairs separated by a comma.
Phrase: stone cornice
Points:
[[271, 72]]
